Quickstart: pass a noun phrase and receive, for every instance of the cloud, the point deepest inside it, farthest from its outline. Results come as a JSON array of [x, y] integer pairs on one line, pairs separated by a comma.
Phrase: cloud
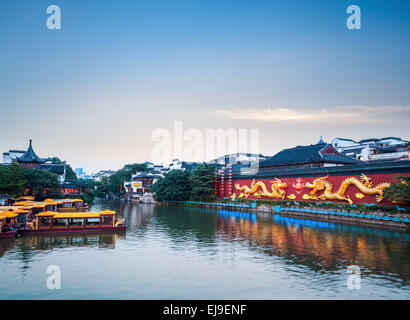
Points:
[[349, 114]]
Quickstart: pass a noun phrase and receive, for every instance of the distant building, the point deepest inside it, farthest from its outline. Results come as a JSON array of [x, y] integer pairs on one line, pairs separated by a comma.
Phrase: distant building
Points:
[[373, 149], [103, 173], [139, 188], [30, 159], [182, 165], [82, 175], [239, 161]]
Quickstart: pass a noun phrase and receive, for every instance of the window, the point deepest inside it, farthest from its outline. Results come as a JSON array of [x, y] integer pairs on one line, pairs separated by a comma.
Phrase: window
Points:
[[77, 222], [93, 221], [106, 220], [60, 222], [46, 221]]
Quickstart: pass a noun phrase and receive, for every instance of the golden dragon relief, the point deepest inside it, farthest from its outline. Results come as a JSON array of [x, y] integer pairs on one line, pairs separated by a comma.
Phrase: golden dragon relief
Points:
[[277, 188], [364, 185]]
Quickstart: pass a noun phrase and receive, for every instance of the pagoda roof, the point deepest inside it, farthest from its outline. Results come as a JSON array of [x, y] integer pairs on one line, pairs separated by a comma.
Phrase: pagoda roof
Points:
[[30, 156]]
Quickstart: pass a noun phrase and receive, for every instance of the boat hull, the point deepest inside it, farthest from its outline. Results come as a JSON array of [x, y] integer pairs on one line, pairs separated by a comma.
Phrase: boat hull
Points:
[[24, 232], [8, 234]]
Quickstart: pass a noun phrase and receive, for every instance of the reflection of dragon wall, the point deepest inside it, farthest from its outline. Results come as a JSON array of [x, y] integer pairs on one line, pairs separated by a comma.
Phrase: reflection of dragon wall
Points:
[[364, 184], [277, 189]]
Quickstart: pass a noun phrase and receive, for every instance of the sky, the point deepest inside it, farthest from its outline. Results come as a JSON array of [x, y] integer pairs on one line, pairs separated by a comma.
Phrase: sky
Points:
[[93, 92]]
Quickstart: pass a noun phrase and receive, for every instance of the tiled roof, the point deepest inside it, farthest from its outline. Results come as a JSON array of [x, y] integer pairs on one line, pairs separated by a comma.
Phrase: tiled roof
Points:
[[306, 154], [30, 156], [55, 168]]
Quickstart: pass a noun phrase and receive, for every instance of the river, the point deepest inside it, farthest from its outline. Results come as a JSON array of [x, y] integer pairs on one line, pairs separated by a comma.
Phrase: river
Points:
[[198, 253]]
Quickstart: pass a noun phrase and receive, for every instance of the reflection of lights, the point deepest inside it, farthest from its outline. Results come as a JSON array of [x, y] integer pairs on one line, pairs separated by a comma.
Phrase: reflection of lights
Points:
[[239, 215], [303, 222]]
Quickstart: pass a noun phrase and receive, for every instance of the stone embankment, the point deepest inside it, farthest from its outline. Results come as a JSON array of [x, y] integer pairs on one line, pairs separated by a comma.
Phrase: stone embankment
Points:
[[397, 220]]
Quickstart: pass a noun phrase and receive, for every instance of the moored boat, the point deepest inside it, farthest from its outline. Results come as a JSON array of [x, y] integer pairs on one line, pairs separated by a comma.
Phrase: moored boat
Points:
[[8, 221], [68, 222]]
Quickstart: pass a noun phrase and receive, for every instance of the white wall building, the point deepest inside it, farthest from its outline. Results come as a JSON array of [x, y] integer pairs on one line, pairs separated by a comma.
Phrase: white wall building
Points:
[[103, 173], [373, 149]]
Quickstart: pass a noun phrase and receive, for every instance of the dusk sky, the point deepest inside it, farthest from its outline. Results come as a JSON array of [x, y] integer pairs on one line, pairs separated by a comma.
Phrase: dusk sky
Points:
[[93, 92]]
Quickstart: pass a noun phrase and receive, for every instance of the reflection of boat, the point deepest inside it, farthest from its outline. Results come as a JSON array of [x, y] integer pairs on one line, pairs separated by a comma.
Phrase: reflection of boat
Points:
[[8, 221], [68, 222]]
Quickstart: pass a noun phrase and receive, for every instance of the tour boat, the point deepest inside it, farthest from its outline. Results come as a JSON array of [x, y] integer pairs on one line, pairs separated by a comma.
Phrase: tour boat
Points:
[[67, 222], [69, 205], [8, 220], [57, 205]]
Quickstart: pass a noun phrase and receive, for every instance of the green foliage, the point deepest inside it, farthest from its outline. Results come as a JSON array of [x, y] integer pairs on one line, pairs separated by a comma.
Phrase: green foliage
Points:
[[102, 188], [118, 178], [399, 192], [88, 196], [174, 186], [202, 183], [56, 160], [11, 179], [40, 182], [87, 183], [69, 172], [112, 184]]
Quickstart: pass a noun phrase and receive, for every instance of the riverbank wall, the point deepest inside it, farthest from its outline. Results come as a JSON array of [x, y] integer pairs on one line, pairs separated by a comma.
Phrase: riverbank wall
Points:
[[358, 184], [376, 218]]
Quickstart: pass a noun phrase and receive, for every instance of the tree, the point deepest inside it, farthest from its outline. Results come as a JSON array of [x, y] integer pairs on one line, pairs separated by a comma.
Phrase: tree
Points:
[[69, 172], [11, 179], [41, 182], [87, 183], [102, 187], [112, 185], [175, 185], [399, 192], [202, 183]]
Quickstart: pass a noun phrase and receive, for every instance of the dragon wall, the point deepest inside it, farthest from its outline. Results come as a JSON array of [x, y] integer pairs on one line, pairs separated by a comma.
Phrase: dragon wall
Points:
[[364, 188]]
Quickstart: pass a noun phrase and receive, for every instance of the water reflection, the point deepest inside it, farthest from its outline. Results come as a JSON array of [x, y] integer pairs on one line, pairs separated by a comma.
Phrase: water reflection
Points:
[[6, 244], [321, 245], [44, 242], [182, 252]]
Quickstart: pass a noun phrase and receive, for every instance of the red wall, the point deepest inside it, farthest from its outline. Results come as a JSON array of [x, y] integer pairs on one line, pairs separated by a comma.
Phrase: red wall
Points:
[[335, 180]]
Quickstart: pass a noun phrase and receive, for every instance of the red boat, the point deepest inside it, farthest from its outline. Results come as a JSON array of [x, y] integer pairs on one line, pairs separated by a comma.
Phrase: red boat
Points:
[[74, 222]]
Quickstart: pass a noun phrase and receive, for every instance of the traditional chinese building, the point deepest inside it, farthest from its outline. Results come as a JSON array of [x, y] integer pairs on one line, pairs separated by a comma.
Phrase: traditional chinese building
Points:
[[139, 188], [313, 173], [30, 159]]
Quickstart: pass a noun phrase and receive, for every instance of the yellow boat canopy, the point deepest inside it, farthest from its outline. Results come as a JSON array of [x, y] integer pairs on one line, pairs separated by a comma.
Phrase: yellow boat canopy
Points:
[[25, 198], [9, 214], [12, 209], [22, 203], [74, 215], [63, 200]]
